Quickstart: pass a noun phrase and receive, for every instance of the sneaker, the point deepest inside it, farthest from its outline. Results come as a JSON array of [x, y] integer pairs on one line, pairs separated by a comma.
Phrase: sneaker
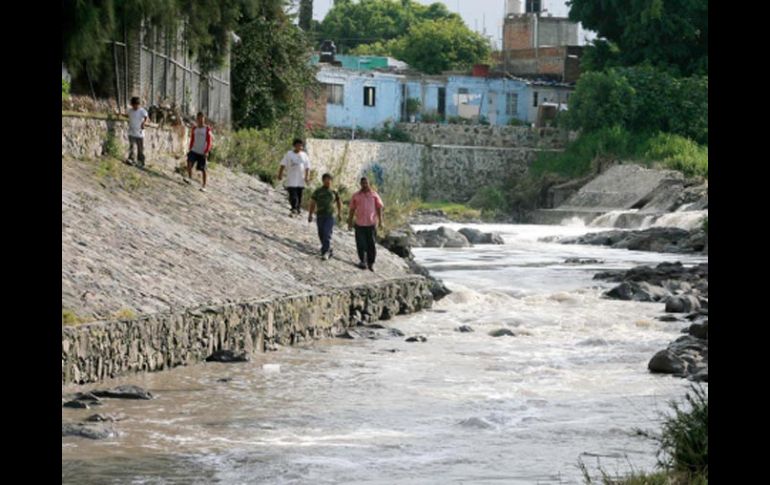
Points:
[[371, 268], [291, 213], [325, 256], [185, 180], [129, 161], [203, 189], [361, 265]]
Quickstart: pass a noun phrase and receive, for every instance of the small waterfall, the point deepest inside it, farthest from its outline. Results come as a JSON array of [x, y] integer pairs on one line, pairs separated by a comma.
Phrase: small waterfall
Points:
[[610, 219], [647, 222], [573, 221]]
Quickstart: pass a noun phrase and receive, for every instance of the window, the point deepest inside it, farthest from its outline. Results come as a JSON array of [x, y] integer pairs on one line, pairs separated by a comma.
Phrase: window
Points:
[[511, 104], [336, 93], [369, 96], [534, 99]]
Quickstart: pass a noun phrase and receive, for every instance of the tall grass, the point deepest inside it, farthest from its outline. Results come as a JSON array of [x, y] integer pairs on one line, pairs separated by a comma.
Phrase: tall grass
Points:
[[683, 447], [256, 152]]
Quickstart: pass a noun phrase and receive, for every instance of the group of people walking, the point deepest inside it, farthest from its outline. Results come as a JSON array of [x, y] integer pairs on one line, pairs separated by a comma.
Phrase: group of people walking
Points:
[[365, 208], [364, 211]]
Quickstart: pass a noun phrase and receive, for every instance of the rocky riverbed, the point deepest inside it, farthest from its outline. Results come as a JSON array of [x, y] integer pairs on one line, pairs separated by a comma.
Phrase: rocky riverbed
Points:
[[684, 292], [657, 239]]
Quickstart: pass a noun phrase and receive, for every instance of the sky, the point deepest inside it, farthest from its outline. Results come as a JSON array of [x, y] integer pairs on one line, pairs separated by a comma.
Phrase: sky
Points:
[[476, 13]]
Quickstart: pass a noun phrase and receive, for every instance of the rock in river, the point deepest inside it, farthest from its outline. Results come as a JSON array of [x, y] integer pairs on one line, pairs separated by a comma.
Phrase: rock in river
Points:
[[124, 392]]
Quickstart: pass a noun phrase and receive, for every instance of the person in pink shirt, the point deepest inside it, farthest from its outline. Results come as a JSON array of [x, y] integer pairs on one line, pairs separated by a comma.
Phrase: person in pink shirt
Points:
[[366, 206]]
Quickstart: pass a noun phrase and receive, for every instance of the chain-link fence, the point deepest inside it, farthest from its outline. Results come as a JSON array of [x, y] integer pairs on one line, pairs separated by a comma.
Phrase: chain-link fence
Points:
[[160, 71]]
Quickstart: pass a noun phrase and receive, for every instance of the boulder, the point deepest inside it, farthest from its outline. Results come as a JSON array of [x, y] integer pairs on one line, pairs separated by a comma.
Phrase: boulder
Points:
[[666, 362], [437, 287], [464, 329], [228, 356], [682, 304], [502, 332], [81, 400], [474, 236], [632, 290], [124, 392], [399, 242], [443, 237], [101, 418], [417, 338], [88, 430]]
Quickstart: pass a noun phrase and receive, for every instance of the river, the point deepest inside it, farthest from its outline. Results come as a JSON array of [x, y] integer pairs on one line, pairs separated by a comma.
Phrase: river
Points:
[[464, 408]]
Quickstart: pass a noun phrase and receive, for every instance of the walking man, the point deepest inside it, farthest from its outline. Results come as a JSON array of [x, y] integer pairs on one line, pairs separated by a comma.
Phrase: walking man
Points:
[[322, 202], [200, 146], [297, 166], [366, 206], [137, 119]]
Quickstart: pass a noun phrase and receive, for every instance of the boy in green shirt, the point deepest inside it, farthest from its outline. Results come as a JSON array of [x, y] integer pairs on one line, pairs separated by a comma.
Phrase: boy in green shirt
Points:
[[323, 201]]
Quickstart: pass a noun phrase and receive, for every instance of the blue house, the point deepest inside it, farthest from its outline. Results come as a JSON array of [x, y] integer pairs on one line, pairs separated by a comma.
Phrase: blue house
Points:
[[368, 99]]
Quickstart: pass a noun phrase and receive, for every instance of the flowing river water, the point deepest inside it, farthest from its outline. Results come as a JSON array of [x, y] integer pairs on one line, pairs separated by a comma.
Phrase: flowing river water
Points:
[[464, 408]]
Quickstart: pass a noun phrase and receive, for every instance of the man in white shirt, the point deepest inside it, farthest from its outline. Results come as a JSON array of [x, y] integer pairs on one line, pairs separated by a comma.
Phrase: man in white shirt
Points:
[[137, 118], [296, 164]]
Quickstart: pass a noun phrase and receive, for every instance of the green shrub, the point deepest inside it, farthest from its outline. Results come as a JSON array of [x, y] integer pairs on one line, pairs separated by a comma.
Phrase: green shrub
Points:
[[491, 201], [111, 147], [641, 99], [578, 158], [256, 152], [678, 153], [431, 117], [586, 154], [516, 122], [413, 106], [65, 90], [390, 132]]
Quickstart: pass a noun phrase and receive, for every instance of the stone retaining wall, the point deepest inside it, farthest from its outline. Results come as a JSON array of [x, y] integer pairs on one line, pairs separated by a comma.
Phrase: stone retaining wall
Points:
[[396, 168], [486, 135], [160, 341], [409, 170], [83, 137]]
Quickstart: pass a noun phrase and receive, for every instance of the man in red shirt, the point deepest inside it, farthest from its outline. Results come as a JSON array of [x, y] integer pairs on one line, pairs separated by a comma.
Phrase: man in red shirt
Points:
[[366, 206]]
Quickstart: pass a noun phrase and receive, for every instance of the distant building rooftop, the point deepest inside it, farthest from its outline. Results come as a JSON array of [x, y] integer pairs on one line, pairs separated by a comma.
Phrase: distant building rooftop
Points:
[[364, 63]]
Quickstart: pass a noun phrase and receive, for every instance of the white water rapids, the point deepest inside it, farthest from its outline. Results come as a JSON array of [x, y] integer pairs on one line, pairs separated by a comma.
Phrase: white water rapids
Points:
[[462, 408]]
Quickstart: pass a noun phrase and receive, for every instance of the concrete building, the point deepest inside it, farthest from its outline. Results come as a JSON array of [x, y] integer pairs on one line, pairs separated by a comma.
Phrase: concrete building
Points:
[[369, 99], [538, 45]]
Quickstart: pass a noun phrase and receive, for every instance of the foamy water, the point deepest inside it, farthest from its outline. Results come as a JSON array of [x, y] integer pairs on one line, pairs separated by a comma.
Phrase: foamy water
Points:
[[459, 408]]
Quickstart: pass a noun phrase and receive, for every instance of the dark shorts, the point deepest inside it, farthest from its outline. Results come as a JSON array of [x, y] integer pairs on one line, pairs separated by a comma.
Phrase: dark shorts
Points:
[[198, 159]]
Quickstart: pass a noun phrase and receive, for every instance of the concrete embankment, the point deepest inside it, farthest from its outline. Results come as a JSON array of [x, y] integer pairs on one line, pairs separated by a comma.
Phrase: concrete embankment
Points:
[[159, 274]]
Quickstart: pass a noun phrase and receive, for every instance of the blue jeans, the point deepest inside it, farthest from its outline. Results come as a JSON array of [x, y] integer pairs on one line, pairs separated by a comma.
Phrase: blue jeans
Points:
[[325, 226]]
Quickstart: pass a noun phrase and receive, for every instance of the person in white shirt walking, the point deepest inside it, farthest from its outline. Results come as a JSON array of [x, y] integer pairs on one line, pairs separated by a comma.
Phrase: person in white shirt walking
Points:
[[200, 146], [137, 118], [296, 164]]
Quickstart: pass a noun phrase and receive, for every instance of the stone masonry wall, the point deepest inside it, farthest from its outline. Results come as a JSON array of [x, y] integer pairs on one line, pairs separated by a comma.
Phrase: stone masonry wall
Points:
[[438, 172], [486, 135], [94, 352], [396, 168], [83, 137], [455, 174]]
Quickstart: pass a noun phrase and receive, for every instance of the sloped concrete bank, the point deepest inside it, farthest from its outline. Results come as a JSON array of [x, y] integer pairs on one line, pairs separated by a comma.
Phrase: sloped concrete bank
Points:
[[157, 274], [98, 351]]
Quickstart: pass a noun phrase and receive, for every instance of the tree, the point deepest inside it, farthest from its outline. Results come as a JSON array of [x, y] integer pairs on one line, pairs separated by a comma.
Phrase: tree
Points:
[[89, 25], [438, 45], [351, 24], [641, 99], [305, 14], [672, 35], [270, 72]]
